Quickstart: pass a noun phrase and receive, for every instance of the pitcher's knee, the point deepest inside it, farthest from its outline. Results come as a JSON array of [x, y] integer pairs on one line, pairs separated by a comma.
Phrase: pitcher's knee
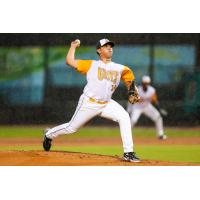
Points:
[[69, 129]]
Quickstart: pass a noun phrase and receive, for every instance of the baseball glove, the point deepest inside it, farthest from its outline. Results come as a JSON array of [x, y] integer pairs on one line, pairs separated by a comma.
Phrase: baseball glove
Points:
[[133, 96]]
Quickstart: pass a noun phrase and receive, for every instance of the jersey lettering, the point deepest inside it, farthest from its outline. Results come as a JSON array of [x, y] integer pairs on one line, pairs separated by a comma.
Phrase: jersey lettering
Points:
[[108, 75]]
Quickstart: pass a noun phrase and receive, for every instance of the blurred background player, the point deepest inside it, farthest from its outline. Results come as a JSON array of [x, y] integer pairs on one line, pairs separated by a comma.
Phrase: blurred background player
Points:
[[148, 97], [103, 77]]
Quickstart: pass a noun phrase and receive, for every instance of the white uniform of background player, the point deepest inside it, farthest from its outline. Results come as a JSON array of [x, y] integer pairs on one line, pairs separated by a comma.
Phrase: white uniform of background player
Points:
[[148, 96], [103, 77]]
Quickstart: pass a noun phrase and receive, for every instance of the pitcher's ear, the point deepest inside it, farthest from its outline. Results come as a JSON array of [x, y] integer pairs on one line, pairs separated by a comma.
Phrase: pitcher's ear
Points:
[[98, 51]]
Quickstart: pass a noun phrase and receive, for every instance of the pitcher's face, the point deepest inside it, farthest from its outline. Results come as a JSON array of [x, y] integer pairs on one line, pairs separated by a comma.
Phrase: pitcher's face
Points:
[[106, 51]]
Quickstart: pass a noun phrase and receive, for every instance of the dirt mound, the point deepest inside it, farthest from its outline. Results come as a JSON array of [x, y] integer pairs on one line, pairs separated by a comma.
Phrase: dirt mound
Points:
[[63, 158]]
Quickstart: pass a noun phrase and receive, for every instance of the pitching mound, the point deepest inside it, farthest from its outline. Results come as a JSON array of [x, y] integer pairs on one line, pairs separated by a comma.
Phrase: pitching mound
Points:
[[55, 158]]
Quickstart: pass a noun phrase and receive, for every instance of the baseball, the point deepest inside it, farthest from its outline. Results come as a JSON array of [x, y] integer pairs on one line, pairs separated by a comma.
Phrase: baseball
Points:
[[78, 41]]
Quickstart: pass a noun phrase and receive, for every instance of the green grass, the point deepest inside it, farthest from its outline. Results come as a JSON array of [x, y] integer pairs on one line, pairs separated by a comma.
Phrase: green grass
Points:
[[177, 153], [36, 131]]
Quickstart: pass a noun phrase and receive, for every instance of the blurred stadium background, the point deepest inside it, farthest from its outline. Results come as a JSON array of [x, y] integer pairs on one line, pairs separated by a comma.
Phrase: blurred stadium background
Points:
[[36, 86]]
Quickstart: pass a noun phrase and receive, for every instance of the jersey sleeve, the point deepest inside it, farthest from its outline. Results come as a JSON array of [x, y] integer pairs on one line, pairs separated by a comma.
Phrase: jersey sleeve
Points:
[[83, 66], [127, 75]]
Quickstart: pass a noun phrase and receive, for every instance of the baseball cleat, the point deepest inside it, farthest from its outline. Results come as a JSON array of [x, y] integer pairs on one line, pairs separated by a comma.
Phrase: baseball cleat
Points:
[[131, 157], [162, 137], [47, 141]]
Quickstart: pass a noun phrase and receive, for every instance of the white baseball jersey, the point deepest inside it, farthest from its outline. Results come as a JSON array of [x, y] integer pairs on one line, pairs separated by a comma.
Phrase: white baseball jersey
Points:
[[103, 79]]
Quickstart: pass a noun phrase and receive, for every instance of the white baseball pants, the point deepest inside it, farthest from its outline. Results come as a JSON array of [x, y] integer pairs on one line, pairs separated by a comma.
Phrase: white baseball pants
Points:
[[149, 111], [87, 110]]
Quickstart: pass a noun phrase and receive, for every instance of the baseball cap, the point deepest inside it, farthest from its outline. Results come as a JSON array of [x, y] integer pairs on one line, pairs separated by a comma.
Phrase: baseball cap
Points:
[[146, 79], [103, 42]]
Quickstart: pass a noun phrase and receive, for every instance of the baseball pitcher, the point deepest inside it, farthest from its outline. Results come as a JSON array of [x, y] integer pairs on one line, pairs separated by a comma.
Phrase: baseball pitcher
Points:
[[103, 77], [148, 96]]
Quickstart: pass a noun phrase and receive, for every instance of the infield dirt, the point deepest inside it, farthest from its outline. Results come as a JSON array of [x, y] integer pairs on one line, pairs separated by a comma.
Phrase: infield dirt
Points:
[[56, 158]]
